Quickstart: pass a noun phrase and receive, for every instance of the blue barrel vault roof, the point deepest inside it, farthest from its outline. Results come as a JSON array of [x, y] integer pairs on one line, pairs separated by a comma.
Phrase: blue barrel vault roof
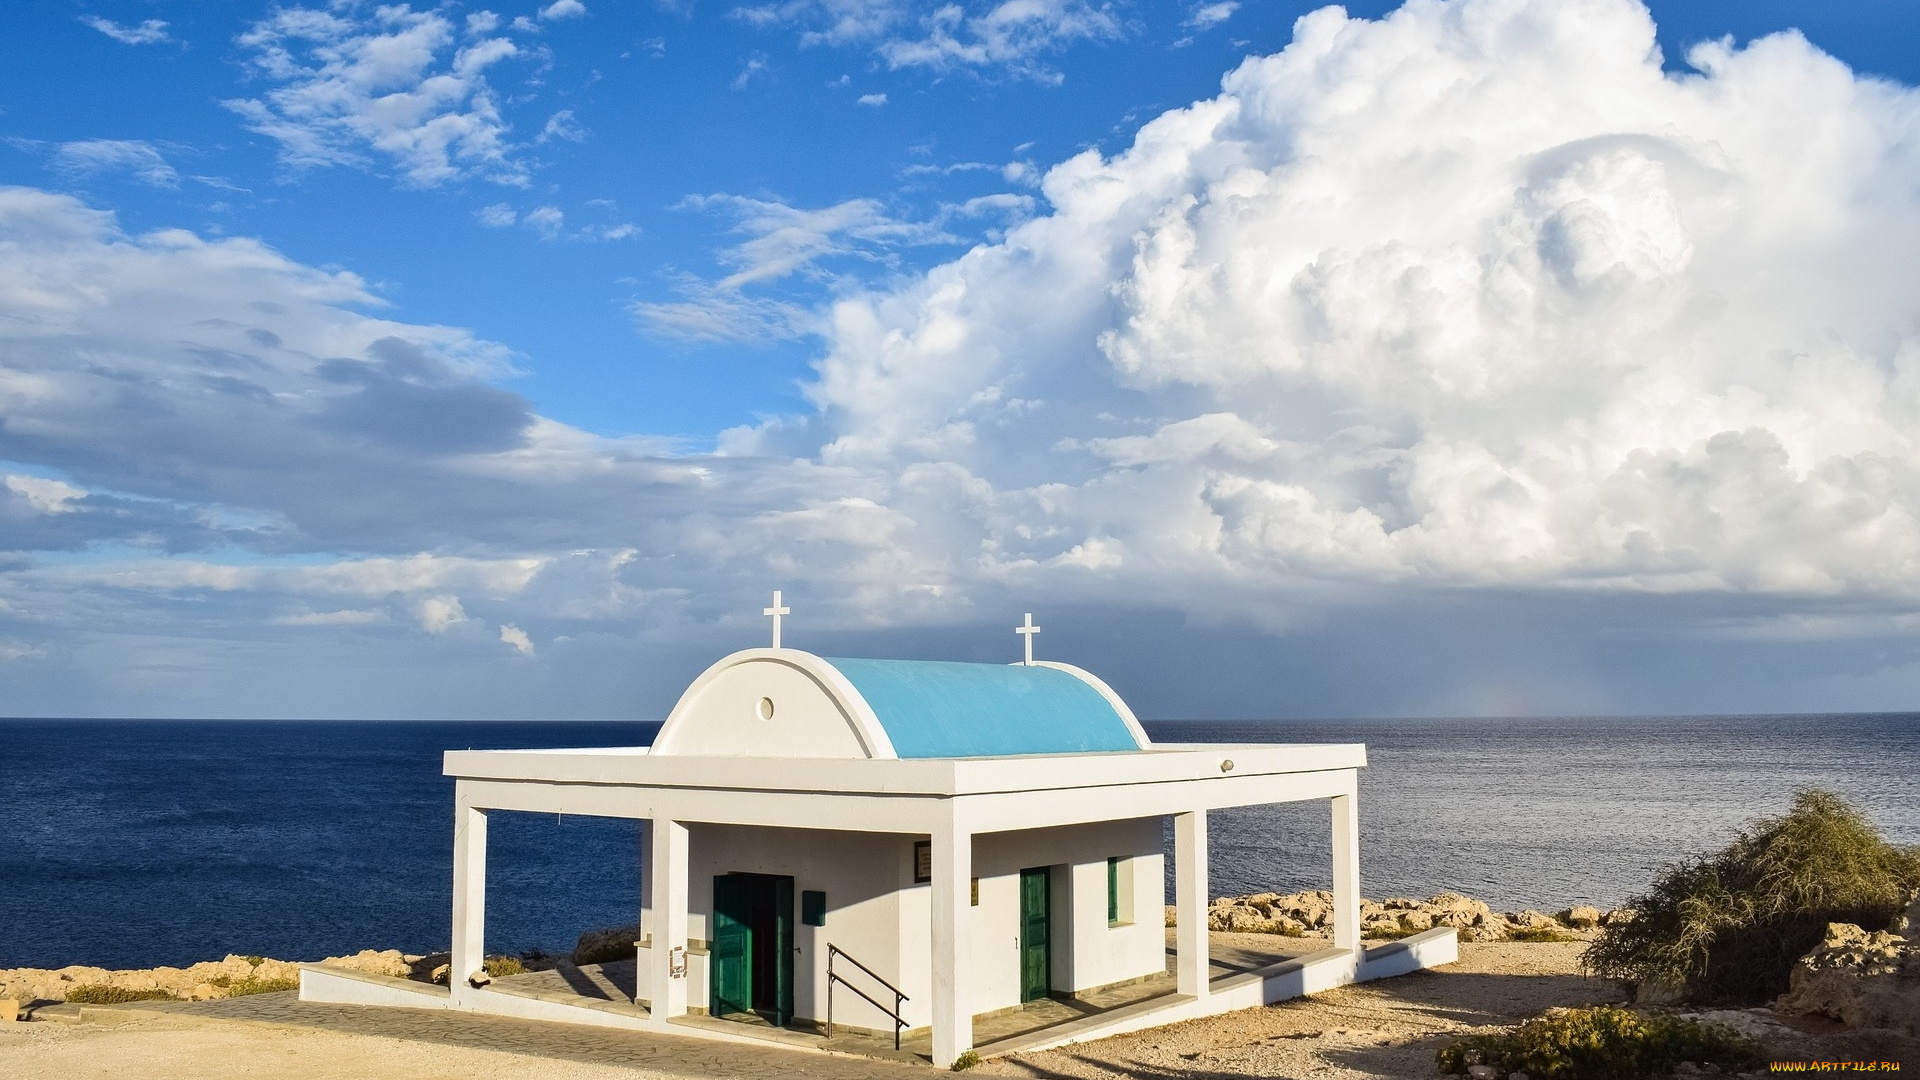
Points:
[[942, 709]]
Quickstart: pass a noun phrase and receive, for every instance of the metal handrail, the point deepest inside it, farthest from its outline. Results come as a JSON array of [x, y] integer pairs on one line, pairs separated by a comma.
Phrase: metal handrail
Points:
[[835, 977]]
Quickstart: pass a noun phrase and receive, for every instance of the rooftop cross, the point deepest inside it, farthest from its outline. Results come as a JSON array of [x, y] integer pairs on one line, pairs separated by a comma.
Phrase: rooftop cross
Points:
[[1027, 630], [776, 611]]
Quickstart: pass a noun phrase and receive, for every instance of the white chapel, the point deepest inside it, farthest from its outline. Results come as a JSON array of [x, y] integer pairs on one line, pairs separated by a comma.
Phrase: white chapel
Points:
[[907, 845]]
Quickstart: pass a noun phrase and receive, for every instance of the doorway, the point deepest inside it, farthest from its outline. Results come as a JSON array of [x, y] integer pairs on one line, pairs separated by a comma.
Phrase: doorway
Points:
[[1036, 917], [751, 954]]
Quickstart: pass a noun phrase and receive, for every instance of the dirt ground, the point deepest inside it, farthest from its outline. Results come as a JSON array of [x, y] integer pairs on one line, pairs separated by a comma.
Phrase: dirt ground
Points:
[[1378, 1030]]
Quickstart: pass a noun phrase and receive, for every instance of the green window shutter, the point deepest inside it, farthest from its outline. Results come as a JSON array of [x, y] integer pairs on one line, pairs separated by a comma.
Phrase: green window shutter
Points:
[[1113, 889]]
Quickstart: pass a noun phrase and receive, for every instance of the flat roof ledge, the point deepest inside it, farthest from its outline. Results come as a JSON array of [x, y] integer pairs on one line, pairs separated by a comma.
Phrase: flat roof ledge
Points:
[[1162, 763]]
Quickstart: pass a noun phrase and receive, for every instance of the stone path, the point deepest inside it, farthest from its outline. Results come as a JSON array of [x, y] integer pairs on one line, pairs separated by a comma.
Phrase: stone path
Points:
[[695, 1059]]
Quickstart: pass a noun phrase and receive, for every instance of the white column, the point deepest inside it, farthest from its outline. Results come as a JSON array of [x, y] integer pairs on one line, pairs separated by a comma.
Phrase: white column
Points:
[[952, 945], [667, 875], [1190, 902], [1346, 871], [469, 896]]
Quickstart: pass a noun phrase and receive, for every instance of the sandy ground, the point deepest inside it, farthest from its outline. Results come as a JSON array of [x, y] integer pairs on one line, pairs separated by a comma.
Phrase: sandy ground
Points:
[[169, 1050], [1379, 1030]]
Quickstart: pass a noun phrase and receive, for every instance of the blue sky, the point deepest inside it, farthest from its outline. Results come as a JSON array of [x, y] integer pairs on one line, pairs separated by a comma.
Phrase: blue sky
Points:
[[483, 359]]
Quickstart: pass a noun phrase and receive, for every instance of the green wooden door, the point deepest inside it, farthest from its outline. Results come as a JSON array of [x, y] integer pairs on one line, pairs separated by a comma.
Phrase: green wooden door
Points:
[[1036, 957], [730, 952]]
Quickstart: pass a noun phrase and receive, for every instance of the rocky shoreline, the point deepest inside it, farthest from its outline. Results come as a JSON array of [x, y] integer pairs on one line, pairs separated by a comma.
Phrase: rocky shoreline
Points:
[[1310, 914], [1301, 914]]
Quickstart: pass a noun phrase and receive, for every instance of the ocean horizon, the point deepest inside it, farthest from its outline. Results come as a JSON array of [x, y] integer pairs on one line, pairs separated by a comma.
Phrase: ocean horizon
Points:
[[136, 843]]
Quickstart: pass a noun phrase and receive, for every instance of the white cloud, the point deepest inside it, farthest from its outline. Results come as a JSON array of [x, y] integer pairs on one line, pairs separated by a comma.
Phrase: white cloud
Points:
[[873, 100], [1473, 295], [439, 614], [149, 32], [46, 496], [516, 638], [562, 125], [90, 156], [781, 241], [345, 617], [1013, 36], [563, 9], [549, 221], [389, 84], [755, 65], [1208, 16]]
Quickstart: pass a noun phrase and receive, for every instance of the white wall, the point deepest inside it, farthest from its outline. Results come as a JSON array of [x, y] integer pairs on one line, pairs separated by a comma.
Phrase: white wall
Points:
[[1087, 952], [876, 912], [723, 718], [861, 873]]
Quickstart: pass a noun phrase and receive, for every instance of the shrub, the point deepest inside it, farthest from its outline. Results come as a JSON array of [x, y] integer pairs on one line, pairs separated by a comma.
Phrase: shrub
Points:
[[101, 994], [1729, 926], [498, 966], [1602, 1043], [600, 946], [967, 1060], [252, 985]]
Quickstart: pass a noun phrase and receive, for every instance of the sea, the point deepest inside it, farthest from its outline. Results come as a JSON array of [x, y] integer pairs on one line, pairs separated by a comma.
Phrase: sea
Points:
[[137, 843]]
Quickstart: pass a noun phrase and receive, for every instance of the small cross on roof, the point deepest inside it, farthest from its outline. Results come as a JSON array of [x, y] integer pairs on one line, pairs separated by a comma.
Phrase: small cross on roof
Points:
[[775, 612], [1026, 630]]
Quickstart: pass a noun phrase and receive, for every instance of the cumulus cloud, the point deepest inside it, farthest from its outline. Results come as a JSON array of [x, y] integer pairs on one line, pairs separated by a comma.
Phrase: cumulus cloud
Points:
[[563, 9], [1475, 299], [871, 100], [356, 86], [149, 32], [87, 157], [1476, 294], [516, 639], [1012, 36], [439, 614]]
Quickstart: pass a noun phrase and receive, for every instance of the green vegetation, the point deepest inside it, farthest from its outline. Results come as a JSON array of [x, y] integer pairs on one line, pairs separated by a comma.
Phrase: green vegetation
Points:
[[965, 1061], [498, 966], [101, 994], [1728, 927], [253, 985], [1601, 1043]]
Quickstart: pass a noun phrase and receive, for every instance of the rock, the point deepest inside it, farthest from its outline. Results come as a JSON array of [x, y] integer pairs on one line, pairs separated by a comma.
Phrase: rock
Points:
[[441, 974], [1657, 992], [1519, 1075], [479, 979], [1173, 915], [1581, 916], [389, 962], [9, 1010], [1416, 920], [1483, 1072], [1861, 979], [1532, 920]]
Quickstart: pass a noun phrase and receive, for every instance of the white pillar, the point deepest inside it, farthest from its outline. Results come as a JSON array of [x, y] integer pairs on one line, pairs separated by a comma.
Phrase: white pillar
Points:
[[952, 945], [1190, 902], [667, 876], [1346, 871], [469, 896]]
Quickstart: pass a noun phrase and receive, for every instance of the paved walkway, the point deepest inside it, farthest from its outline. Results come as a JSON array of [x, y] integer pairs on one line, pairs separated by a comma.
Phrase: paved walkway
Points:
[[695, 1059]]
